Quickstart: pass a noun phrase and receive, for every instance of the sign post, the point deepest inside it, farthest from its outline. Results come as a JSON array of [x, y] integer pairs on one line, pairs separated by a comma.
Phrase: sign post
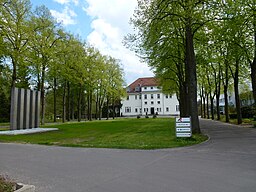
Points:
[[183, 127]]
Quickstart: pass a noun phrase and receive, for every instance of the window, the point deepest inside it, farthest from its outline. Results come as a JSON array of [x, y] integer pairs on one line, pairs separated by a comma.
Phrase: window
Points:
[[152, 102], [177, 108], [128, 97], [158, 109], [158, 102], [166, 96], [140, 110], [152, 96], [145, 97], [145, 109], [135, 97], [152, 88], [170, 96], [146, 103], [136, 110], [158, 96], [167, 109], [128, 110], [145, 88], [139, 96]]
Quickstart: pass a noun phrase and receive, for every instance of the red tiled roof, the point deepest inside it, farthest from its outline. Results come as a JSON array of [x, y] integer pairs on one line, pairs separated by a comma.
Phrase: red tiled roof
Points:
[[143, 82]]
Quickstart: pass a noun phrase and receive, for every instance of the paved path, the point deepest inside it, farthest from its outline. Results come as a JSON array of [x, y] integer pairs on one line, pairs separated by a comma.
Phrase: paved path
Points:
[[226, 163]]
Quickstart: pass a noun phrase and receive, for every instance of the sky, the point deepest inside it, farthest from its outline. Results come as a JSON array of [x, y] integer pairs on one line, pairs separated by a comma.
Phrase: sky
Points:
[[103, 24]]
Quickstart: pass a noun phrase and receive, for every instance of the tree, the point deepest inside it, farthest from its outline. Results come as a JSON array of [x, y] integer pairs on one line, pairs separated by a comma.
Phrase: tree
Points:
[[158, 23], [14, 31], [44, 36]]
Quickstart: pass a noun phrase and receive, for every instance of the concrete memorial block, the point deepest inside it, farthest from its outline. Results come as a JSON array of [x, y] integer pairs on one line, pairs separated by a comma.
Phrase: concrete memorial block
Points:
[[25, 109], [20, 110], [32, 110], [37, 109], [183, 127], [14, 106]]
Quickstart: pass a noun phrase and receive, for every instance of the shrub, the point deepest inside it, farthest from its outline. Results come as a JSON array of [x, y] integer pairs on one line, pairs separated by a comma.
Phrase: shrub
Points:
[[232, 116], [6, 185], [146, 116], [248, 111], [154, 116], [138, 116]]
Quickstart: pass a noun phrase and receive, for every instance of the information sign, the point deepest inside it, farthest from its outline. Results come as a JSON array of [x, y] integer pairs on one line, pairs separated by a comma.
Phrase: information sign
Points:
[[183, 127]]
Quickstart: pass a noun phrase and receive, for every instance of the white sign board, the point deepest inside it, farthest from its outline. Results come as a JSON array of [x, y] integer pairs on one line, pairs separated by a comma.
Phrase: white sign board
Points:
[[183, 127]]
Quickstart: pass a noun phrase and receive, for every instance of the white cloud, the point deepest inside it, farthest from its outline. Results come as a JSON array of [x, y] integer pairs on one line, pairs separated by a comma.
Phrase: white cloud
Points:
[[76, 2], [66, 16], [110, 24]]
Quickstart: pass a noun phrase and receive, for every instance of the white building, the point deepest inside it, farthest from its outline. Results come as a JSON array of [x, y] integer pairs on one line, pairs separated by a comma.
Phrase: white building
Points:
[[145, 97]]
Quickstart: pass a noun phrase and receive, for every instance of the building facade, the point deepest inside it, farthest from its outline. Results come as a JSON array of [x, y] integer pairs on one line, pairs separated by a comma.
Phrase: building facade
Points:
[[145, 97]]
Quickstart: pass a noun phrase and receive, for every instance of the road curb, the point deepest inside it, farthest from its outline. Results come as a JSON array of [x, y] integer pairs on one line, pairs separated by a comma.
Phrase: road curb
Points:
[[25, 188]]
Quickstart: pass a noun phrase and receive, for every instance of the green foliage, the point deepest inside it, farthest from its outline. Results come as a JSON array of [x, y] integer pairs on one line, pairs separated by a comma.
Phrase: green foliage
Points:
[[45, 57]]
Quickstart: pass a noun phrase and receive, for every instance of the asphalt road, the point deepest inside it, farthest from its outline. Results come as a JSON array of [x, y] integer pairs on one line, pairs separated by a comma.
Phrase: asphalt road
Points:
[[225, 163]]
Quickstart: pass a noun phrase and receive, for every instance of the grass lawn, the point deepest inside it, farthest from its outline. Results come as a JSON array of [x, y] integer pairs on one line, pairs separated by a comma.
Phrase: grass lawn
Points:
[[121, 133]]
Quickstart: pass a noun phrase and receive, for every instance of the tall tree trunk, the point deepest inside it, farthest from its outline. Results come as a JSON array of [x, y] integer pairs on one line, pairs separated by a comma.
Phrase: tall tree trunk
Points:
[[54, 99], [207, 106], [204, 97], [97, 106], [212, 106], [201, 105], [191, 63], [107, 108], [218, 96], [64, 103], [226, 80], [218, 105], [237, 98], [72, 105], [90, 118], [183, 101], [253, 77], [113, 108], [253, 64], [42, 96], [68, 102], [79, 104], [226, 103], [14, 72]]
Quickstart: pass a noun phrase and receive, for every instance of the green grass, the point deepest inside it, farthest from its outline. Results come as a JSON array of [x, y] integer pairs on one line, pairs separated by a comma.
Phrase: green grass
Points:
[[121, 133]]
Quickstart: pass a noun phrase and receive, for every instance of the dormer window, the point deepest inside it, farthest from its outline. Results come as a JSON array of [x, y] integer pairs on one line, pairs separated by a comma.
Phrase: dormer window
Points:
[[145, 88], [137, 89]]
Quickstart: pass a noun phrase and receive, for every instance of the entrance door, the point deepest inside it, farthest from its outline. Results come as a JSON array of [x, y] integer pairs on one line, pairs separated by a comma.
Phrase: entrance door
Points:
[[152, 111]]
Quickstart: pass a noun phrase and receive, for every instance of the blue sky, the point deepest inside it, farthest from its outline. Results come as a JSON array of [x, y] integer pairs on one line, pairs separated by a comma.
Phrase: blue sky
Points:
[[103, 24]]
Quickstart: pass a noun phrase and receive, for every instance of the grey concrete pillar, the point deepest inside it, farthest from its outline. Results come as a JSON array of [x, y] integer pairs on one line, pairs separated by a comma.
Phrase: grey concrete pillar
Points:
[[32, 110], [20, 111], [14, 102], [37, 108], [26, 109]]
